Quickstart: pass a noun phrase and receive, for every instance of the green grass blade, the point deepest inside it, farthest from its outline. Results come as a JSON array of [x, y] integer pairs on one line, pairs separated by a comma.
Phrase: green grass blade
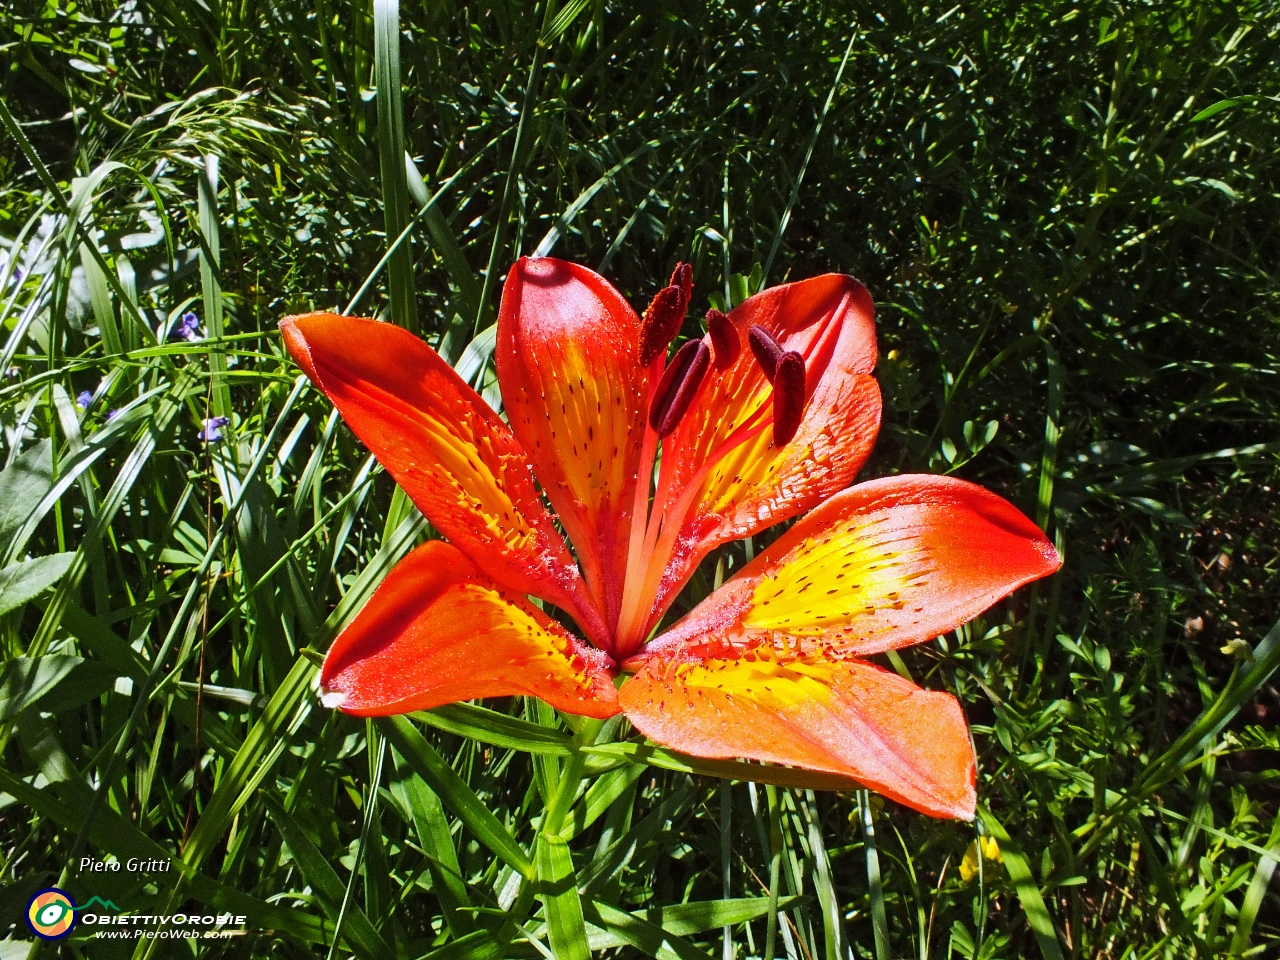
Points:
[[370, 812], [359, 933], [210, 285], [626, 929], [808, 155], [1256, 892], [1024, 883], [824, 882], [879, 919], [70, 469], [480, 945], [514, 170], [396, 213], [726, 862], [436, 840], [548, 242], [488, 726], [557, 888], [665, 759], [97, 531], [115, 834], [100, 298], [257, 756], [427, 763]]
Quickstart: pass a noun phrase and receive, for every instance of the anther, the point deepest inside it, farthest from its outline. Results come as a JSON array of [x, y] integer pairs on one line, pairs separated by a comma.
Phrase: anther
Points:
[[767, 350], [679, 385], [662, 319], [682, 277], [724, 339], [788, 397]]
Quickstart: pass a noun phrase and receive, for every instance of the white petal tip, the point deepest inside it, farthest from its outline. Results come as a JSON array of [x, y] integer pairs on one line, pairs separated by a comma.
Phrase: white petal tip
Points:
[[333, 699]]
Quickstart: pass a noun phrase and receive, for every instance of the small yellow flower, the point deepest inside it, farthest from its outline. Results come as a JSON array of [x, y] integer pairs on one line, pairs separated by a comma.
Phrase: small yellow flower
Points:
[[969, 865]]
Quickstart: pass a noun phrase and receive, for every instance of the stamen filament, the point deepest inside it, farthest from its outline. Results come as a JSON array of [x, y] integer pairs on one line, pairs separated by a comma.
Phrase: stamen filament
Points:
[[667, 521], [640, 508]]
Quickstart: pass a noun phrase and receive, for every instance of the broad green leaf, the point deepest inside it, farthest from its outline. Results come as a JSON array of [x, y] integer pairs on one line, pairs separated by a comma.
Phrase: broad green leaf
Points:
[[22, 485], [24, 680], [21, 581], [87, 681]]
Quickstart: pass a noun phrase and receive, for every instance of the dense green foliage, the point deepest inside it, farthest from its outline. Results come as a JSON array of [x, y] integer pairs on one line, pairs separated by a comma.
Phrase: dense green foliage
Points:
[[1068, 216]]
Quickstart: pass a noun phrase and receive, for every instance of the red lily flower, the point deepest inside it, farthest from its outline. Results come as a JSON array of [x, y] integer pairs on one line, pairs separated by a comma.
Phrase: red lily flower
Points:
[[770, 666]]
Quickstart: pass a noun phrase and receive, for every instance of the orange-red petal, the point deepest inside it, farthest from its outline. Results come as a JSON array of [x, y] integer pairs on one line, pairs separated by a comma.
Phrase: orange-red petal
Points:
[[575, 392], [437, 631], [843, 717], [443, 444], [884, 564], [830, 321]]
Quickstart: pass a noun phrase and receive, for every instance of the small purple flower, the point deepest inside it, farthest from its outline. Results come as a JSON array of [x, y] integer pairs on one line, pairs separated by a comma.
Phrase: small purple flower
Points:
[[112, 414], [211, 432], [187, 328], [13, 373], [83, 399]]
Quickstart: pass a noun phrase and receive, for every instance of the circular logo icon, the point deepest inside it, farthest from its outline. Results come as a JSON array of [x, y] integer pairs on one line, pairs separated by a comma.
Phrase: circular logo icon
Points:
[[51, 913]]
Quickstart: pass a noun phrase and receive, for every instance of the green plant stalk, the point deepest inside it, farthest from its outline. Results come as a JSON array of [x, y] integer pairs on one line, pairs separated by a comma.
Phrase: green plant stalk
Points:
[[395, 186]]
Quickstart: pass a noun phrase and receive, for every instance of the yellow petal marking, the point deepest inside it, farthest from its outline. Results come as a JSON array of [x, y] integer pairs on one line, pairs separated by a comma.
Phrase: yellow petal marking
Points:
[[852, 570]]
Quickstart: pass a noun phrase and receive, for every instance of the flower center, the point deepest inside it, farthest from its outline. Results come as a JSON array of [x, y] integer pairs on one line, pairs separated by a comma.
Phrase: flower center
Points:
[[655, 526]]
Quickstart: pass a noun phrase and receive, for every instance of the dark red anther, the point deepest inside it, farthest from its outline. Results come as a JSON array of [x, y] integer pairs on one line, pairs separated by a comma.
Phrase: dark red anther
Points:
[[661, 321], [679, 385], [682, 277], [724, 339], [788, 397], [767, 350]]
